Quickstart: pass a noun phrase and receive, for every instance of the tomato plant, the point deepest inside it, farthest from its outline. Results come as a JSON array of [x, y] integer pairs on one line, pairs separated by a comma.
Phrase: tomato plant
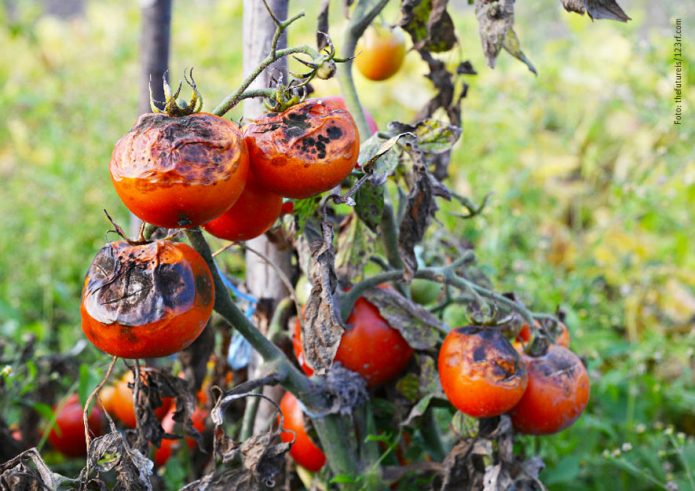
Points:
[[146, 300], [304, 451], [68, 434], [481, 373], [557, 392], [380, 52], [305, 150]]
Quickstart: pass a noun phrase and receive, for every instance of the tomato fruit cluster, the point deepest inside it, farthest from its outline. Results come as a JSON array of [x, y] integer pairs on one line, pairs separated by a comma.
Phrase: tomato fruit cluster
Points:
[[483, 376]]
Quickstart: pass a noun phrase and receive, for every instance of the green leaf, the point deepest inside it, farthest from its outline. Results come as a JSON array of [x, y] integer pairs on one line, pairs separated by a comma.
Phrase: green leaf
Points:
[[355, 245], [512, 45], [84, 386], [379, 157], [304, 209], [429, 24], [434, 136], [342, 479]]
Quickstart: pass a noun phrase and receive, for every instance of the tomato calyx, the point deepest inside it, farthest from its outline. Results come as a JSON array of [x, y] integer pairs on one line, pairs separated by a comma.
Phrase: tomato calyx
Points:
[[175, 106]]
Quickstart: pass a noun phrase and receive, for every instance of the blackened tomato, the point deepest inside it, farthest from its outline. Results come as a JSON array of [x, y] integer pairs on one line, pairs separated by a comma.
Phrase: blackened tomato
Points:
[[180, 171], [481, 373], [146, 301], [305, 150]]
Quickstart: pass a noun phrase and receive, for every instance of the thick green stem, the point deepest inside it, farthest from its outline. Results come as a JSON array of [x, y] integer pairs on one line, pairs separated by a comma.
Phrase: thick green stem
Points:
[[294, 380], [338, 441], [389, 237], [365, 12]]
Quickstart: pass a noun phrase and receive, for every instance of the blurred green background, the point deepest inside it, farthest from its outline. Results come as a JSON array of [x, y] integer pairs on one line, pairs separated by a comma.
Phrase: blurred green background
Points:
[[592, 206]]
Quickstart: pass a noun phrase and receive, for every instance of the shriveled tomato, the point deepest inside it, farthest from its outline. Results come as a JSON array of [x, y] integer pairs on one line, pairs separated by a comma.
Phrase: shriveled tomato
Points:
[[118, 402], [180, 171], [146, 301], [253, 214], [68, 434], [371, 347], [305, 150], [304, 451], [557, 393], [371, 122], [380, 52], [481, 373]]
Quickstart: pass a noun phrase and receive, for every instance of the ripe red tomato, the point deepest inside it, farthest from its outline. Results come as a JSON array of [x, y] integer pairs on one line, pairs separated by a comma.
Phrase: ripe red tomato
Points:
[[481, 373], [380, 52], [370, 346], [305, 150], [557, 392], [371, 122], [253, 214], [118, 402], [68, 434], [180, 171], [304, 451], [146, 301]]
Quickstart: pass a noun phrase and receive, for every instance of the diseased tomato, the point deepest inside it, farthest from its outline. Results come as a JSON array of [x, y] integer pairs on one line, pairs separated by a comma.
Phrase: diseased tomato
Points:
[[180, 171], [146, 301], [253, 214], [380, 52], [557, 392], [305, 150], [371, 122], [481, 373], [118, 402], [370, 346], [68, 434], [304, 451]]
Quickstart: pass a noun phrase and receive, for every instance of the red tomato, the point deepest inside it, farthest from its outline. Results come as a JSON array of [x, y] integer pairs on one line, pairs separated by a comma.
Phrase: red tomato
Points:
[[557, 392], [168, 446], [371, 347], [68, 434], [481, 373], [180, 171], [253, 214], [562, 336], [380, 52], [146, 301], [306, 150], [118, 402], [304, 451]]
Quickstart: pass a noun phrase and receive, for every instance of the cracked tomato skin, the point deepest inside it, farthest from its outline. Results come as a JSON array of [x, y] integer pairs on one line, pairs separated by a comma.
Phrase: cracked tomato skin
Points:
[[252, 215], [67, 436], [371, 347], [304, 451], [180, 171], [557, 393], [481, 373], [146, 301], [305, 150]]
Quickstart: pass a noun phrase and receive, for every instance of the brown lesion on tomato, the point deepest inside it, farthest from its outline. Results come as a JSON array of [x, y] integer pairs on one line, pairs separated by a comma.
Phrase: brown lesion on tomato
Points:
[[198, 149], [490, 355], [133, 286]]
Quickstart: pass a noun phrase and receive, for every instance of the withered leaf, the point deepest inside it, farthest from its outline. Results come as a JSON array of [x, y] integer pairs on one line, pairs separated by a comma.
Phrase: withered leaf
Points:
[[597, 9], [429, 24], [433, 136], [417, 325], [495, 18], [112, 452], [379, 157], [355, 244], [28, 471], [164, 384], [322, 328], [420, 208]]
